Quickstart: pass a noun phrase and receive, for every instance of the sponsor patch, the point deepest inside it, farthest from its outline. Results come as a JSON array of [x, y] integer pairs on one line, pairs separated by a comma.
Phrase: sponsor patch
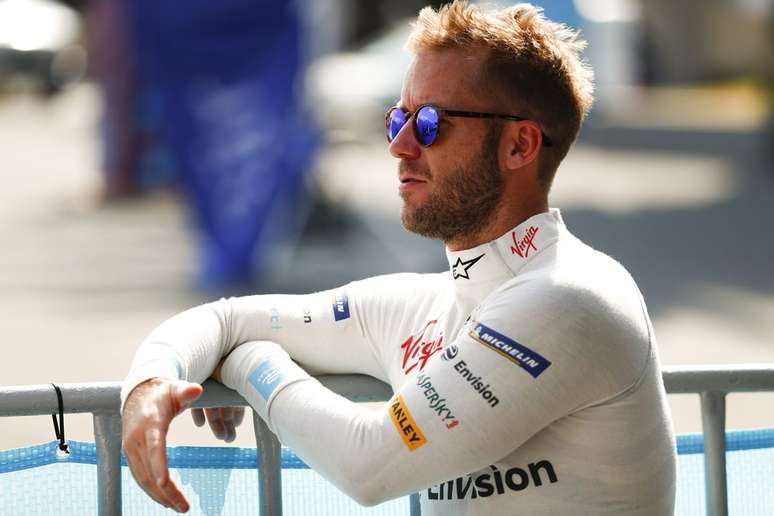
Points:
[[521, 246], [265, 379], [274, 318], [436, 402], [450, 352], [477, 382], [340, 306], [517, 353], [417, 349], [495, 482], [404, 422]]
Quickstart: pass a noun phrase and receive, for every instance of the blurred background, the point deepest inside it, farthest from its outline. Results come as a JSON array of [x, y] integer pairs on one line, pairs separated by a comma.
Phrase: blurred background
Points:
[[154, 157]]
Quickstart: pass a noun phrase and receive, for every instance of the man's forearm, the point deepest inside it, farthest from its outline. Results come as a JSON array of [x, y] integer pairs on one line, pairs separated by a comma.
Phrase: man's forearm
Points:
[[322, 331], [187, 346]]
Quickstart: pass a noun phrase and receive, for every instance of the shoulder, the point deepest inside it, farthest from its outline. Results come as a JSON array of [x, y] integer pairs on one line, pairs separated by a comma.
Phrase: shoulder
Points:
[[573, 277], [579, 300]]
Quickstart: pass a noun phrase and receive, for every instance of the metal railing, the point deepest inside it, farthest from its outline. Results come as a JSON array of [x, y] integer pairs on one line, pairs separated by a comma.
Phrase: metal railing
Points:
[[712, 383]]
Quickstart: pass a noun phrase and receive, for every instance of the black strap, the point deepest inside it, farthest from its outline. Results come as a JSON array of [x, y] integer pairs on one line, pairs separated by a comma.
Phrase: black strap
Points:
[[59, 428]]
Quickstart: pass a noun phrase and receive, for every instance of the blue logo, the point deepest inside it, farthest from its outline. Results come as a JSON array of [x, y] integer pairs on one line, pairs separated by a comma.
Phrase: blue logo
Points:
[[340, 306], [265, 379], [450, 352], [517, 353]]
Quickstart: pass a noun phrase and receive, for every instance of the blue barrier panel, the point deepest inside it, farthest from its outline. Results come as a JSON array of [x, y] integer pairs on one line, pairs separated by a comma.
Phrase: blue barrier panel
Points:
[[749, 467], [220, 480], [36, 480]]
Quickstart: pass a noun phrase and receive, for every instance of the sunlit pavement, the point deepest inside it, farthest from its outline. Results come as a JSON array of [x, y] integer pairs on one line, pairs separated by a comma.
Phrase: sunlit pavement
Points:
[[82, 283]]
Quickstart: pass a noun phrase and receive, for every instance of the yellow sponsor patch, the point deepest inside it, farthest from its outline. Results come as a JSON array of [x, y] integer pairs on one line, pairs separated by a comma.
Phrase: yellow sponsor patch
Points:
[[404, 422]]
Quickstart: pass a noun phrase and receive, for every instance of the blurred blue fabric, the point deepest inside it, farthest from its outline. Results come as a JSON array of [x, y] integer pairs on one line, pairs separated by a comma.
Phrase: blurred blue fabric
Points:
[[227, 74], [36, 481]]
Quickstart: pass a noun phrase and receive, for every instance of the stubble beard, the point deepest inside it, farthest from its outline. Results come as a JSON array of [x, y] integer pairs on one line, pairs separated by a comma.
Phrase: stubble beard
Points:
[[465, 201]]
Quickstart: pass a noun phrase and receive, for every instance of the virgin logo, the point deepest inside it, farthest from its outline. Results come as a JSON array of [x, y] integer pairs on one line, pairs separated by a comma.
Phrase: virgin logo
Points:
[[527, 242], [417, 349]]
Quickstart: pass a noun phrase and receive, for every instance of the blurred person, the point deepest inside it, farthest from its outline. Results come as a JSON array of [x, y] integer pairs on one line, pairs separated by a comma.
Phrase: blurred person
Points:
[[526, 377], [135, 157], [226, 78], [113, 65]]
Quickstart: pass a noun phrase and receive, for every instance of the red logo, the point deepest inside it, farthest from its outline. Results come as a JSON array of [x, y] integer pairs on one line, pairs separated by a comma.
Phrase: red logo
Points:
[[522, 247], [417, 351]]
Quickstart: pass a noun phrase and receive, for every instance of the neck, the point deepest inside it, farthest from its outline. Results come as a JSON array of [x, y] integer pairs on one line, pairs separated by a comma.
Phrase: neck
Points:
[[505, 219]]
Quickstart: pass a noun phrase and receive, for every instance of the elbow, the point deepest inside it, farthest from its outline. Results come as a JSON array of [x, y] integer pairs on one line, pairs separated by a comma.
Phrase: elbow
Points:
[[365, 486], [367, 495]]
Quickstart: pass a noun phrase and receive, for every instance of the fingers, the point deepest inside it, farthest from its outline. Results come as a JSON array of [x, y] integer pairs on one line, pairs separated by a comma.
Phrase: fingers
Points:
[[145, 424], [228, 424], [141, 472], [182, 394], [223, 421], [217, 425], [239, 415], [198, 416], [165, 488]]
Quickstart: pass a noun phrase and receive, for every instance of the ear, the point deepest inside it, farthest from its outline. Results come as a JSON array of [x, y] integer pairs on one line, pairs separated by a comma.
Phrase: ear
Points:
[[519, 145]]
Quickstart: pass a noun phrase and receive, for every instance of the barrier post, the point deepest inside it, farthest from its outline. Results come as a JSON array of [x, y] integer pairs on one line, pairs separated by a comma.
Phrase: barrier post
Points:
[[415, 509], [107, 438], [713, 417], [269, 468]]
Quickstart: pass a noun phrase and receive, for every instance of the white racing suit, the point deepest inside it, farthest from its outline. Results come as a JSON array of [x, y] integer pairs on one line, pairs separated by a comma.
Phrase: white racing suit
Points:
[[526, 380]]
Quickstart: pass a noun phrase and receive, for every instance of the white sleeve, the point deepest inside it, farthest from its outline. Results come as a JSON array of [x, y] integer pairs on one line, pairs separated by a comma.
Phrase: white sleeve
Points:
[[327, 332], [528, 361]]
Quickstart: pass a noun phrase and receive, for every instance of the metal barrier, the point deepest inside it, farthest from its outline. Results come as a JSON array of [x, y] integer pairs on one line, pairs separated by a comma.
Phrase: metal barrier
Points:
[[712, 383]]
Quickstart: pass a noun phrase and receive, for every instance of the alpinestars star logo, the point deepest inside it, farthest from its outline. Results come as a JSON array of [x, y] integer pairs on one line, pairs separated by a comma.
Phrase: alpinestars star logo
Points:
[[460, 269]]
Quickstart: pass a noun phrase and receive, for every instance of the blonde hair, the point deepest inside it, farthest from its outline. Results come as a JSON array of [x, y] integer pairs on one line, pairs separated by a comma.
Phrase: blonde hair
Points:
[[533, 65]]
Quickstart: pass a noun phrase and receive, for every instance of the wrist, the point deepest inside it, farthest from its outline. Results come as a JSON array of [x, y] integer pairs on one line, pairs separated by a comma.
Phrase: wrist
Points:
[[244, 359], [259, 371], [140, 388]]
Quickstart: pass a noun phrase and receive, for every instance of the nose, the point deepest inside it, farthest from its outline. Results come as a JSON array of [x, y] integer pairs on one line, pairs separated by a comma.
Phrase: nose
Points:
[[404, 145]]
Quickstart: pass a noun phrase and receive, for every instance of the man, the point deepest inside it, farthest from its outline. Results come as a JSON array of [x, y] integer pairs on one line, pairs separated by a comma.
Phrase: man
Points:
[[526, 378]]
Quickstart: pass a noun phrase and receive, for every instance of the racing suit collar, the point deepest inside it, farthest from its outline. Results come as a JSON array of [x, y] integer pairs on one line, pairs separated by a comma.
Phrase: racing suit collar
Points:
[[509, 253]]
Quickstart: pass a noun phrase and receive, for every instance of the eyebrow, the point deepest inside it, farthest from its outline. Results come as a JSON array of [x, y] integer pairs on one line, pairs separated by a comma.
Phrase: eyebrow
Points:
[[399, 104]]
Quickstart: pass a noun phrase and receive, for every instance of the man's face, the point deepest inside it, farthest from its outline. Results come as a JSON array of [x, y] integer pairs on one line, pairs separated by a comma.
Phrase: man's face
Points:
[[451, 189]]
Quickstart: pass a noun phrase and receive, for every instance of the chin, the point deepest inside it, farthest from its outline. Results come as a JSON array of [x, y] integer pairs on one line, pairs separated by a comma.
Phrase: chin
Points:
[[413, 199], [407, 215], [410, 205]]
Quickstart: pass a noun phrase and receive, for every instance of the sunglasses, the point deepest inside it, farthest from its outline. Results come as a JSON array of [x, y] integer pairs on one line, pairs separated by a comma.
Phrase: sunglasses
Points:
[[426, 121]]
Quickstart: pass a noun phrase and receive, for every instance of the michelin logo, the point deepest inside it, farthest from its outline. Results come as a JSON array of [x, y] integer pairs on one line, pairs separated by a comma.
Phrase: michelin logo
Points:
[[340, 306], [517, 353]]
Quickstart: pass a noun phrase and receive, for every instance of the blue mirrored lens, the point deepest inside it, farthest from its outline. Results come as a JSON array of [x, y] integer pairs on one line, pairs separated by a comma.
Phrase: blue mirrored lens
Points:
[[427, 125], [396, 121]]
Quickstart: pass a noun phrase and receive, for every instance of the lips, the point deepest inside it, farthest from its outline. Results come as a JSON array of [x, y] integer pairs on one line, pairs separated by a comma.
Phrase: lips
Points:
[[408, 174], [410, 184]]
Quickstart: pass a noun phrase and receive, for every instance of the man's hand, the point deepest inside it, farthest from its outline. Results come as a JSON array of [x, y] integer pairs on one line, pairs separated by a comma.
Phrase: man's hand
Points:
[[223, 420], [148, 411]]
